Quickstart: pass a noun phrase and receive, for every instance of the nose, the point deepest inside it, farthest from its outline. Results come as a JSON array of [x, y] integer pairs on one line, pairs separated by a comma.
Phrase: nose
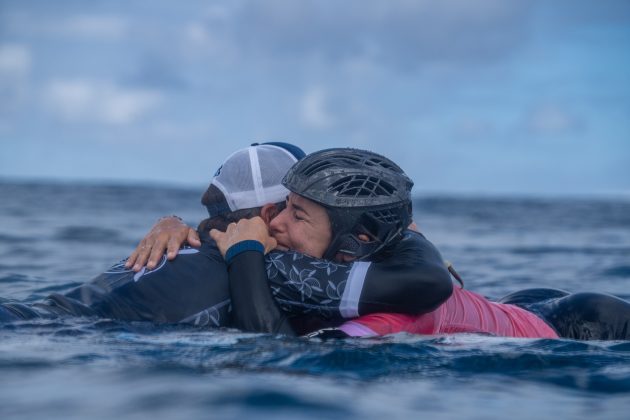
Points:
[[278, 223]]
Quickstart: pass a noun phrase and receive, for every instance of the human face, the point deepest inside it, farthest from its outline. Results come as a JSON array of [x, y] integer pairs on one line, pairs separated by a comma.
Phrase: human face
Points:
[[302, 226]]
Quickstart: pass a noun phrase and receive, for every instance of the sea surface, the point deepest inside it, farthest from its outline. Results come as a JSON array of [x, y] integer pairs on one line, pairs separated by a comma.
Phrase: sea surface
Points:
[[54, 236]]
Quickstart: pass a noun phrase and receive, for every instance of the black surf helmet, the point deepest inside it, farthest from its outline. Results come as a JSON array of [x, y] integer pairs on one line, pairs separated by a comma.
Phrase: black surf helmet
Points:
[[362, 192]]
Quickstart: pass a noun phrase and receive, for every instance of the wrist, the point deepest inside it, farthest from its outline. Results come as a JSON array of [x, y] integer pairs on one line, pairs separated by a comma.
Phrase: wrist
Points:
[[243, 246]]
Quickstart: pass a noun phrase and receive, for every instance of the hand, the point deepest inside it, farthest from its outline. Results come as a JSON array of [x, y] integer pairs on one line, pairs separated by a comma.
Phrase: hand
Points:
[[168, 234], [246, 229]]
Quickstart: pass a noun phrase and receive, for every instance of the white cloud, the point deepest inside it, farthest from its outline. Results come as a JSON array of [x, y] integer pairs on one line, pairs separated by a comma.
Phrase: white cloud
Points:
[[15, 67], [196, 32], [551, 119], [90, 26], [313, 110], [401, 33], [79, 100], [14, 59]]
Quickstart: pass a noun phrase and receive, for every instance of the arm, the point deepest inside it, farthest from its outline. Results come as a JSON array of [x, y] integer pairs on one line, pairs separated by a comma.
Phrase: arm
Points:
[[253, 306], [168, 234], [410, 279]]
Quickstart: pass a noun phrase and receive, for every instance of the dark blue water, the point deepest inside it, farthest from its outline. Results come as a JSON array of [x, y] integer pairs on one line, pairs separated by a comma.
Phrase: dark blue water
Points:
[[55, 236]]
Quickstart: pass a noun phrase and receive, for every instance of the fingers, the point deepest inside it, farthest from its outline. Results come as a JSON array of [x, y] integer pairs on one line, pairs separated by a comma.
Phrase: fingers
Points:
[[168, 234], [137, 257], [246, 229], [215, 234], [270, 244], [172, 248], [143, 256], [193, 238], [220, 238], [132, 259], [156, 255]]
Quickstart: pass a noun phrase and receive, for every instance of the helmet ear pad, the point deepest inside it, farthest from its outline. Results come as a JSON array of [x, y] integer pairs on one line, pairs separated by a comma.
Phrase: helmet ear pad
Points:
[[381, 226]]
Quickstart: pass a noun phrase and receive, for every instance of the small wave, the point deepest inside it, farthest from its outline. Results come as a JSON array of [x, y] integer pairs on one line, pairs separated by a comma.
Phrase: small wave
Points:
[[264, 399], [17, 278], [14, 239], [536, 250], [619, 271], [88, 234]]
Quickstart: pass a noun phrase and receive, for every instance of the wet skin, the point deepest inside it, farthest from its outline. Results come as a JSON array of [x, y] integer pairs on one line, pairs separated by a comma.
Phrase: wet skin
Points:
[[302, 226]]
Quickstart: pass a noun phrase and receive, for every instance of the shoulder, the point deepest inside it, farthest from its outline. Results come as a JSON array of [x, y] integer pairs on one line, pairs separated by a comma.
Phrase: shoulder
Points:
[[414, 246]]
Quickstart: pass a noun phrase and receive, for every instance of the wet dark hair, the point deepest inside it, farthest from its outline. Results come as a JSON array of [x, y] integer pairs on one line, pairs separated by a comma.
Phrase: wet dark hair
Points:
[[214, 197]]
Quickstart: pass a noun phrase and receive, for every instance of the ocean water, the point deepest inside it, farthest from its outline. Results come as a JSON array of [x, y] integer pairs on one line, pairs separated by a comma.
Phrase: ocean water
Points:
[[55, 236]]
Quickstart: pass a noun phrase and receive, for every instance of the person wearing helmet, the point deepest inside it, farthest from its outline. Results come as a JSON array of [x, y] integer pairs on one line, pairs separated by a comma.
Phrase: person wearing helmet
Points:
[[353, 205], [349, 209]]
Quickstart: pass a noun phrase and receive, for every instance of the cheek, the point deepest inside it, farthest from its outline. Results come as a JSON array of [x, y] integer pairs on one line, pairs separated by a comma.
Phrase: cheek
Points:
[[318, 242]]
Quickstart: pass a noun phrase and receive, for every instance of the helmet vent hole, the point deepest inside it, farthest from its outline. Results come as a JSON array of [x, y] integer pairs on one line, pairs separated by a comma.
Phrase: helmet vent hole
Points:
[[362, 186], [385, 216]]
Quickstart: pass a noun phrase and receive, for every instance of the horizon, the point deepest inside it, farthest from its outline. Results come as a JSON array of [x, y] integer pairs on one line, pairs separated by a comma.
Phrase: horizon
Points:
[[422, 194]]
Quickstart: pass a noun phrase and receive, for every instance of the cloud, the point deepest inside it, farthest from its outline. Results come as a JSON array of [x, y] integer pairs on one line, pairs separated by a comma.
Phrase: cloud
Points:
[[14, 59], [78, 26], [313, 109], [400, 33], [157, 72], [551, 119], [82, 100], [15, 67]]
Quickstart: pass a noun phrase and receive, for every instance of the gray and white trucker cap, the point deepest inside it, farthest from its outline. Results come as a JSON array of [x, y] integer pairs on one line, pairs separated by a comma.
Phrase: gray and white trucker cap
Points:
[[252, 177]]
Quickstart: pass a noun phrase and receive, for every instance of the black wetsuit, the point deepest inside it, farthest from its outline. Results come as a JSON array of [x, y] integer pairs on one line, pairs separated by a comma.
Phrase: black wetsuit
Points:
[[194, 288], [581, 316], [409, 274]]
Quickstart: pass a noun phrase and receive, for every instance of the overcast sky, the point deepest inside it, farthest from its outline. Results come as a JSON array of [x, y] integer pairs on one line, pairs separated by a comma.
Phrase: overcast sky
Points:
[[468, 96]]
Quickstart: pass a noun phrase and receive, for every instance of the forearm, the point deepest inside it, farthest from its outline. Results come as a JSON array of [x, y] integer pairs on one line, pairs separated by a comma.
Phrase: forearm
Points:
[[407, 290], [412, 280], [253, 306]]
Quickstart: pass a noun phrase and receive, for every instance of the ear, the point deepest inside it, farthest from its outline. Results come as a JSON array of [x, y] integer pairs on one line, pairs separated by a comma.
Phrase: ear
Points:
[[363, 237], [268, 212]]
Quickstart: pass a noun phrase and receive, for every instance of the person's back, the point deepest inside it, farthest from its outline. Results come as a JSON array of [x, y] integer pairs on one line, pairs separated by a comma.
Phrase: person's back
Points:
[[192, 288], [463, 312]]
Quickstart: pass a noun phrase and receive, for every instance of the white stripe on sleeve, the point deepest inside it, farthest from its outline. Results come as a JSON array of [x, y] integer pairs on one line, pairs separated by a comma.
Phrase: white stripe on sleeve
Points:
[[349, 306]]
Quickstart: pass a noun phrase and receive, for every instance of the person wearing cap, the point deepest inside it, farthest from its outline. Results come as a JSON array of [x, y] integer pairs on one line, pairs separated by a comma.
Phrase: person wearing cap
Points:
[[192, 288]]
